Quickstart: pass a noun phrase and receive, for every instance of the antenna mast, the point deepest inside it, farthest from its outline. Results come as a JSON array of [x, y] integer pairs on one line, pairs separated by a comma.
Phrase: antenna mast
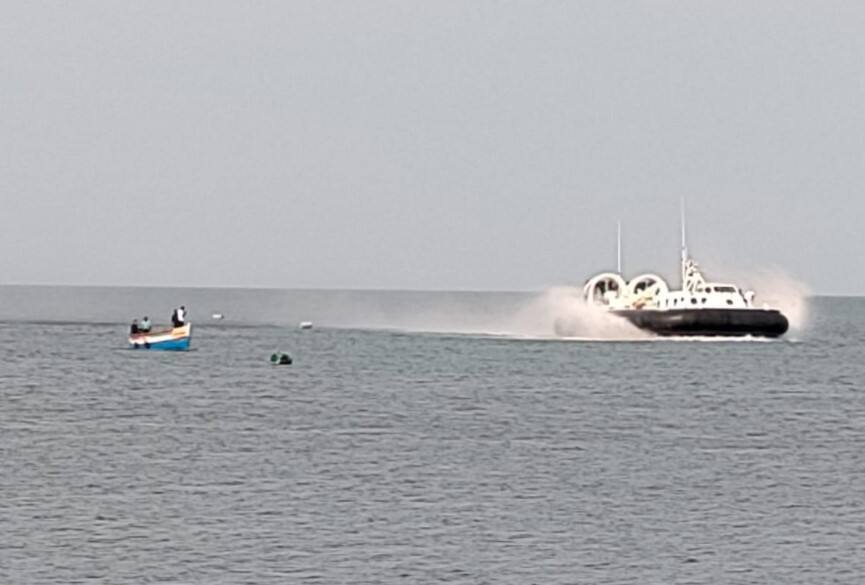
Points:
[[684, 241], [619, 247]]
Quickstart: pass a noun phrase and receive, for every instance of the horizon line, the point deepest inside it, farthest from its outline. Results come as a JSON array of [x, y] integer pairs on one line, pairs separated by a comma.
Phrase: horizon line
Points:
[[342, 289]]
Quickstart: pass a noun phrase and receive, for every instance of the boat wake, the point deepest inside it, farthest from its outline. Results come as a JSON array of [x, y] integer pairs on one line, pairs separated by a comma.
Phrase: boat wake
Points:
[[561, 312], [556, 313]]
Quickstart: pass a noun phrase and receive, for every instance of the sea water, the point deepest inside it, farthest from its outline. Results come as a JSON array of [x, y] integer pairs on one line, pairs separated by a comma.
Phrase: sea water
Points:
[[401, 455]]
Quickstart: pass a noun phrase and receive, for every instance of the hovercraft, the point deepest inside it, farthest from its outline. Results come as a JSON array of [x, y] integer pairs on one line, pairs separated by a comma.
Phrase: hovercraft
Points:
[[699, 308]]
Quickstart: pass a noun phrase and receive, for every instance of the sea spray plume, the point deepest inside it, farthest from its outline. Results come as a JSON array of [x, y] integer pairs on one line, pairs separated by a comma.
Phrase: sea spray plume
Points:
[[779, 290], [562, 311], [535, 316], [463, 312]]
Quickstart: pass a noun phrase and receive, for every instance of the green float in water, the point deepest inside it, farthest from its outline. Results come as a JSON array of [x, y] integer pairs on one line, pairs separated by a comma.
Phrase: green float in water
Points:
[[280, 359]]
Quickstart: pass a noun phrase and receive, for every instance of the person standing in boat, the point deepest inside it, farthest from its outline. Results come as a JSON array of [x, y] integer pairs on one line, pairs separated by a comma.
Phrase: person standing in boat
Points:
[[178, 318], [134, 329], [144, 326]]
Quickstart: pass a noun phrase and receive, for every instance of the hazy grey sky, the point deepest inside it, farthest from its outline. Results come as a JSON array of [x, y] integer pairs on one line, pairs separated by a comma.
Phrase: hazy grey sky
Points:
[[475, 144]]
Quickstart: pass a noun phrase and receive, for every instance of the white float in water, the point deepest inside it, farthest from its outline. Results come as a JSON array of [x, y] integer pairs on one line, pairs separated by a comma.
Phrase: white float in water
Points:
[[305, 325]]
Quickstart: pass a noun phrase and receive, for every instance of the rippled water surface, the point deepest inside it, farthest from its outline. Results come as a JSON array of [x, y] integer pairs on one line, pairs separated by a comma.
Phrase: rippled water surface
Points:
[[385, 457]]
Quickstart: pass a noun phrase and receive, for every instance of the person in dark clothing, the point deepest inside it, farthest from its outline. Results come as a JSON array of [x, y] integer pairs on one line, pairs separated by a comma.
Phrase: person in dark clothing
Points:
[[178, 317], [133, 329]]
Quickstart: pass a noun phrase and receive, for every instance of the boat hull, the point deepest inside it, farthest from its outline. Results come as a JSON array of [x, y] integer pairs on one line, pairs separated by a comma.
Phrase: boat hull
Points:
[[709, 322], [176, 339]]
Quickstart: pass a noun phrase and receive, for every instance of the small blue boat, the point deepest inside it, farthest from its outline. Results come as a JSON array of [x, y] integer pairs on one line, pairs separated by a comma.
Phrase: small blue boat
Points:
[[176, 338]]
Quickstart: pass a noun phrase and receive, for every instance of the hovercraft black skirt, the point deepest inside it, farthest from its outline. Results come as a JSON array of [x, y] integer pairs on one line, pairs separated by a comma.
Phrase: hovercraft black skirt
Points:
[[709, 322]]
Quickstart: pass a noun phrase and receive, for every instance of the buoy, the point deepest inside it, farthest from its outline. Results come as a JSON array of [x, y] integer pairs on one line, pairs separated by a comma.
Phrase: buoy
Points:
[[305, 325], [280, 359]]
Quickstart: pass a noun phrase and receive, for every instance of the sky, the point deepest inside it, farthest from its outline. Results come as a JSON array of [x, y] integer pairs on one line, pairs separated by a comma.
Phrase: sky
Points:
[[478, 145]]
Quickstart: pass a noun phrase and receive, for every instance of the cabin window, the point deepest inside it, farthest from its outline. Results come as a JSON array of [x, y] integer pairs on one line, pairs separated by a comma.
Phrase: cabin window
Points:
[[693, 301], [704, 300], [729, 302]]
